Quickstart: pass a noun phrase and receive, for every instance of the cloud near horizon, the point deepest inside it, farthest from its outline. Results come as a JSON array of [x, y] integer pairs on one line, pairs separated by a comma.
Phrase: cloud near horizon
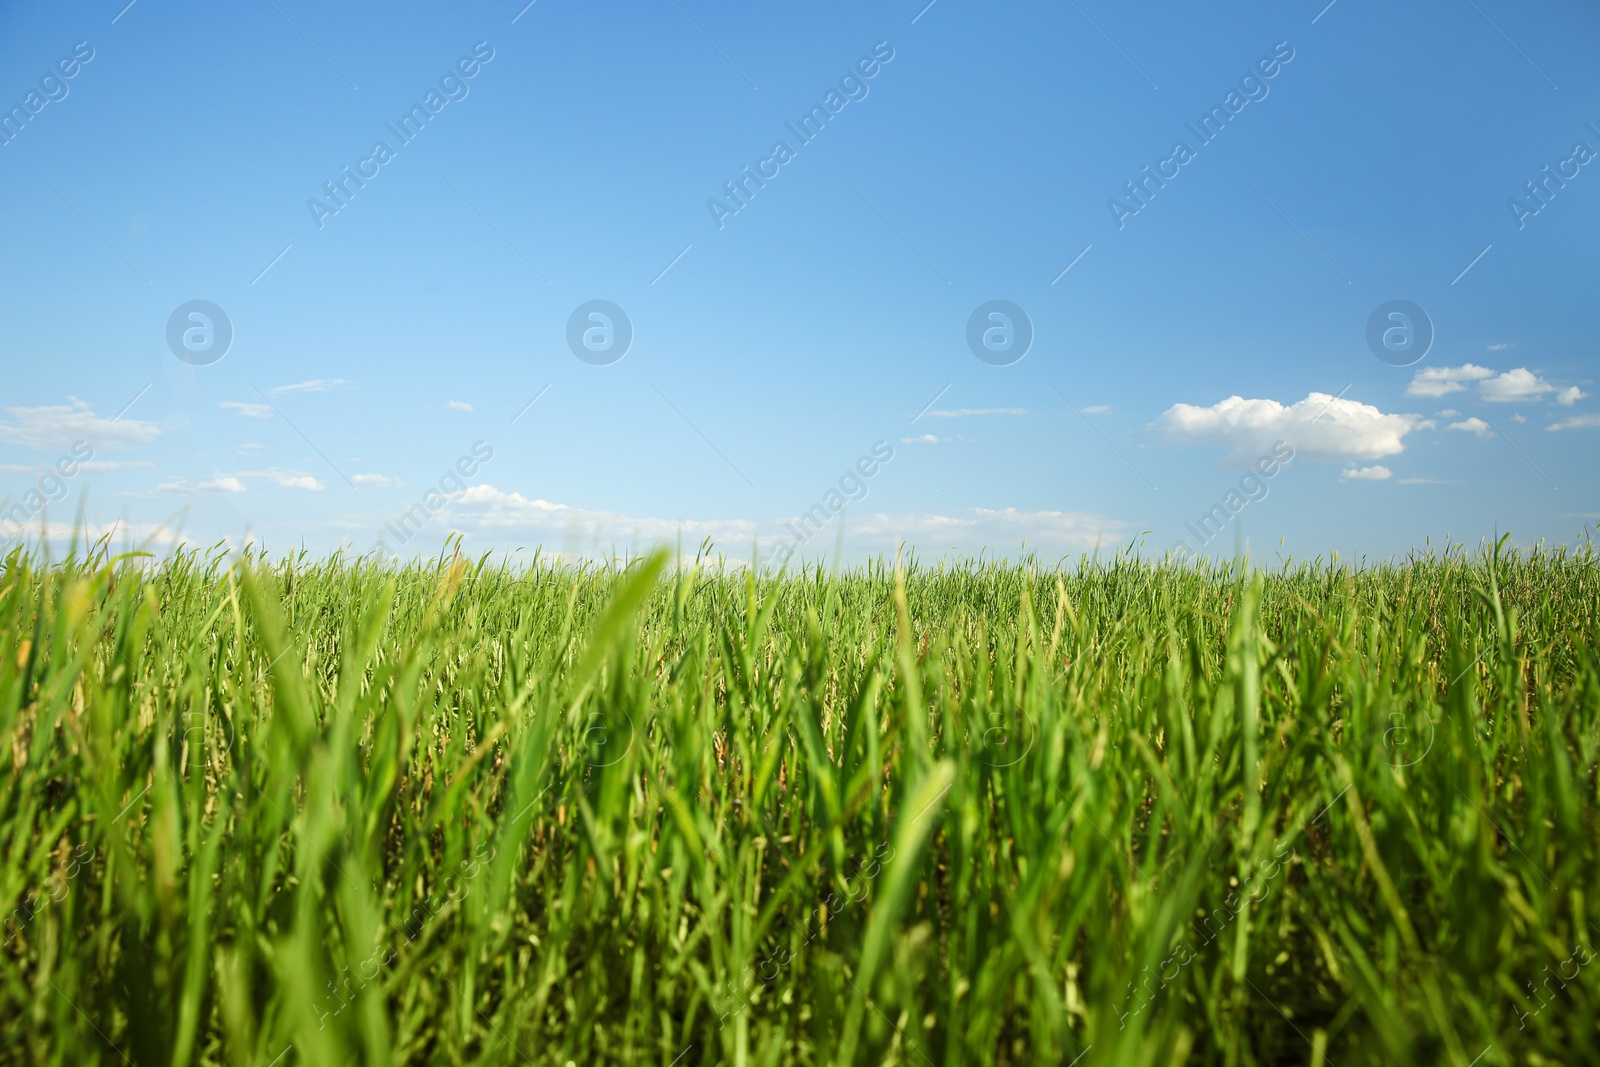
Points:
[[491, 513]]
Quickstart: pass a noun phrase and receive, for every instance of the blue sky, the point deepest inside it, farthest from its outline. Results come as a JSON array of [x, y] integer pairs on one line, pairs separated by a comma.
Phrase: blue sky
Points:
[[1366, 155]]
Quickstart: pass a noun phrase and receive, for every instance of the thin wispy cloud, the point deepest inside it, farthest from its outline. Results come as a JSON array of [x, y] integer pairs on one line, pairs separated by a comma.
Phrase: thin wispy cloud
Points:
[[315, 385], [378, 481], [248, 410], [1586, 421]]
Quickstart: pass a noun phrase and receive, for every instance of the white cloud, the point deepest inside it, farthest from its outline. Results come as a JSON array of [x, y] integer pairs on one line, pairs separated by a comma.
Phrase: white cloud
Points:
[[1587, 421], [315, 385], [961, 413], [1441, 381], [458, 405], [1517, 384], [1508, 387], [1449, 413], [1096, 409], [61, 426], [1519, 418], [218, 483], [289, 479], [92, 466], [249, 411], [1375, 473], [235, 483], [999, 528], [925, 439], [1320, 428], [492, 509], [378, 481], [139, 533], [1473, 425], [1499, 347], [493, 513]]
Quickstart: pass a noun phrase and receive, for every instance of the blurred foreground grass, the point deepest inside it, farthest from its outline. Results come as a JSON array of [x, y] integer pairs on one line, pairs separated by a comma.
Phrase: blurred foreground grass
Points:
[[328, 812]]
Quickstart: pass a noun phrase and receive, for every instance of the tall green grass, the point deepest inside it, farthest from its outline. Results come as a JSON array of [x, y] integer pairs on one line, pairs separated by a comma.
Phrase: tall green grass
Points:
[[332, 812]]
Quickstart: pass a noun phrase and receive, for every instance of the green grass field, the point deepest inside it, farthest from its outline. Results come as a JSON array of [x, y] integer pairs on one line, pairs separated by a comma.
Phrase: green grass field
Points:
[[326, 812]]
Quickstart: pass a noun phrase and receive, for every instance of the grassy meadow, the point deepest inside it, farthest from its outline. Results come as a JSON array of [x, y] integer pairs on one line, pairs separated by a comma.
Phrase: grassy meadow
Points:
[[308, 811]]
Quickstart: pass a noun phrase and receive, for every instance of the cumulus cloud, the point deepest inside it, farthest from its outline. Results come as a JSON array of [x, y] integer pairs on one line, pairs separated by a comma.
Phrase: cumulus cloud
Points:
[[1441, 381], [1517, 384], [1587, 421], [60, 426], [1473, 425], [378, 481], [249, 411], [1375, 473], [315, 385], [1320, 428]]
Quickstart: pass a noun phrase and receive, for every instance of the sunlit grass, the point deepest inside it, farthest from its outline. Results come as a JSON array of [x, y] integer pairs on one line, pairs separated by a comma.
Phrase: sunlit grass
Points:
[[330, 812]]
